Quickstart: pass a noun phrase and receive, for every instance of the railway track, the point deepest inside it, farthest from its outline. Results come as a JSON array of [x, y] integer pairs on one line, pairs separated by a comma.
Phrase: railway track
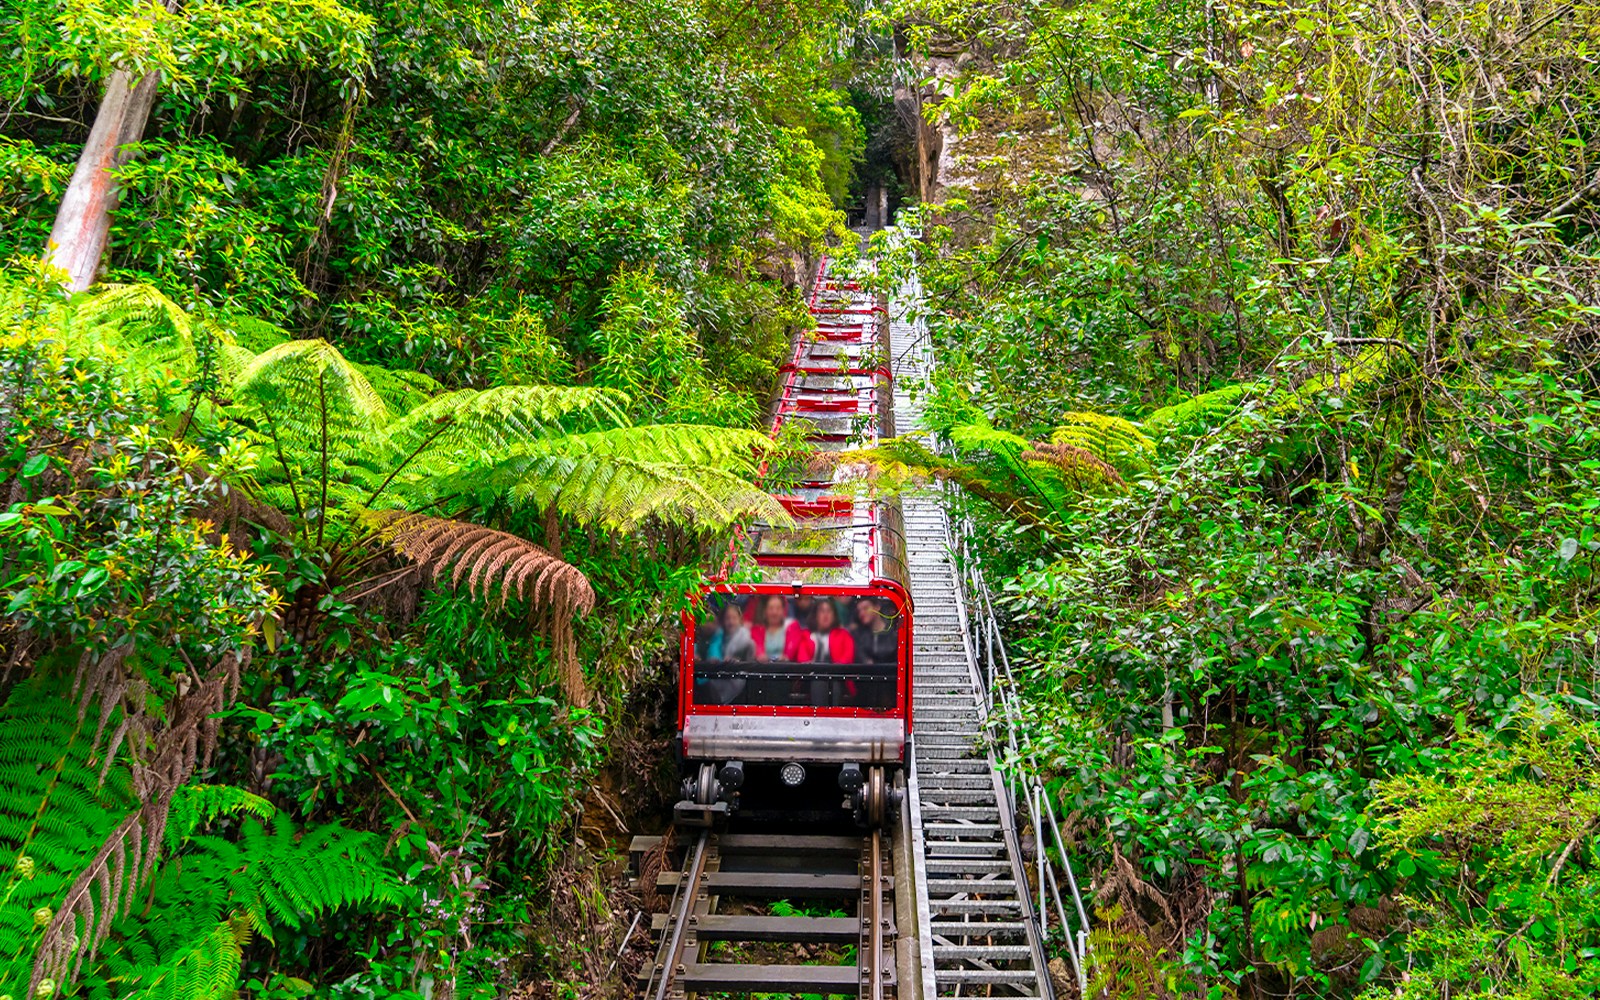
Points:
[[721, 932], [944, 902]]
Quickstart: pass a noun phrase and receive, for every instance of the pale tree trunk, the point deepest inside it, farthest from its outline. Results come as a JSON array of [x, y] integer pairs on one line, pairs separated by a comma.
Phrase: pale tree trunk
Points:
[[83, 222]]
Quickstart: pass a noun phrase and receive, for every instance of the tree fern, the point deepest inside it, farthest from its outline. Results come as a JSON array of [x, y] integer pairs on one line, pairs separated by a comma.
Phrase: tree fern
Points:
[[312, 400], [485, 559], [727, 448], [469, 423], [401, 390], [899, 461], [678, 473], [1113, 440], [1074, 466], [1197, 414], [621, 493]]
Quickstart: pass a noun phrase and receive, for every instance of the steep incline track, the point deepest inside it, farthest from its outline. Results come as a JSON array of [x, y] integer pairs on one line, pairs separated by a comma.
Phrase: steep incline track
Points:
[[976, 922]]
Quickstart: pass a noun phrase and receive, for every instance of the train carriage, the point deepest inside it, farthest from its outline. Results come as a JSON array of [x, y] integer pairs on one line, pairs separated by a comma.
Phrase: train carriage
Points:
[[795, 686]]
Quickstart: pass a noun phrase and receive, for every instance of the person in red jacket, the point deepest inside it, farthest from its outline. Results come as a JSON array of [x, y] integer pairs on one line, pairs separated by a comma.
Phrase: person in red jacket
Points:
[[829, 642], [778, 637]]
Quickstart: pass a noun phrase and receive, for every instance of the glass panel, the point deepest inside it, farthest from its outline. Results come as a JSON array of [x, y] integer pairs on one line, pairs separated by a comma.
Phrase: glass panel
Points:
[[819, 424], [818, 536], [808, 652]]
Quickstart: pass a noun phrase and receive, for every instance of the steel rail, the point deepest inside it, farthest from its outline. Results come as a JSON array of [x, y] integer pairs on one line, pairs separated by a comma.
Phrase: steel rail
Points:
[[688, 890], [874, 970]]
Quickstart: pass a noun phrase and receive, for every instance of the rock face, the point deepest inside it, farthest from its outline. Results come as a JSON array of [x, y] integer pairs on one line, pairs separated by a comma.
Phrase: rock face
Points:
[[928, 79]]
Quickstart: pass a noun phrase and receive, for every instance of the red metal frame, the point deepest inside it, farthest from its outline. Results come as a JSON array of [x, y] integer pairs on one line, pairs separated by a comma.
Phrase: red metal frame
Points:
[[846, 329]]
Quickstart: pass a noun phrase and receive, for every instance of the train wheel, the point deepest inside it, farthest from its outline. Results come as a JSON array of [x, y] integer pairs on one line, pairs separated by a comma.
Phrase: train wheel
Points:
[[705, 791], [877, 796]]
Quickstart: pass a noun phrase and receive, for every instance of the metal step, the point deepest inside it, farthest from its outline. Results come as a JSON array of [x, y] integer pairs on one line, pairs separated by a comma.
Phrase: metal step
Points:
[[984, 886], [960, 831], [981, 953], [939, 907], [948, 798], [965, 929], [951, 850], [931, 811], [988, 977], [967, 866]]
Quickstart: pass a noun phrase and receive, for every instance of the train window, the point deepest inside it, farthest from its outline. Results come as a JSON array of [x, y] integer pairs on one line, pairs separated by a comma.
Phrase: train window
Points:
[[808, 651]]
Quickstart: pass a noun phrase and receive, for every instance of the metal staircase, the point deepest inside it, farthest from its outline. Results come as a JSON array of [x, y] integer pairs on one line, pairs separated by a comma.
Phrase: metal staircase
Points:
[[983, 915]]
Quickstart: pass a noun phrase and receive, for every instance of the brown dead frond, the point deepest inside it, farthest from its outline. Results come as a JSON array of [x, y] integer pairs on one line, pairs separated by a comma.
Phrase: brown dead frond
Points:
[[485, 558], [1075, 464], [165, 754]]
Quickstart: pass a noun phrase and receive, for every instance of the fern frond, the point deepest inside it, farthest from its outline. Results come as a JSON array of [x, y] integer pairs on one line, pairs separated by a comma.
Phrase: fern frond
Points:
[[252, 334], [1074, 465], [270, 875], [207, 971], [306, 392], [485, 559], [294, 875], [54, 814], [1197, 414], [621, 493], [729, 448], [172, 748], [194, 806], [232, 361], [401, 390], [900, 460], [1116, 441], [138, 317], [464, 425], [983, 436]]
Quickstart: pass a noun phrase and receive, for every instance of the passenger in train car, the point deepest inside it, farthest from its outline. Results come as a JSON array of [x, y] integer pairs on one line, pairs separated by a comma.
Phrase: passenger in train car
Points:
[[705, 633], [804, 607], [877, 638], [733, 641], [775, 635], [830, 641]]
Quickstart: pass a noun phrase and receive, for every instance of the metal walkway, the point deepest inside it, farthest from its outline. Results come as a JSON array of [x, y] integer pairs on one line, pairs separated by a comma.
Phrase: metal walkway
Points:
[[983, 909]]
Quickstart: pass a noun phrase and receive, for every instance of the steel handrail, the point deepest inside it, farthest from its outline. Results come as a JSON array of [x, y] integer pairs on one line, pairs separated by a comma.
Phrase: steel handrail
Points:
[[1023, 780]]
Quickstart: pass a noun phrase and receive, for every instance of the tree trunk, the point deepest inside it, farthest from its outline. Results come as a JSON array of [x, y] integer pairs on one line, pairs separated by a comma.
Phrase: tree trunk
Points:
[[83, 222]]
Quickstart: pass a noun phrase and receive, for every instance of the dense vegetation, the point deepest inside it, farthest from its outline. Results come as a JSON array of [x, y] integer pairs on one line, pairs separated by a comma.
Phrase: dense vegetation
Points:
[[423, 360], [364, 427], [1314, 662]]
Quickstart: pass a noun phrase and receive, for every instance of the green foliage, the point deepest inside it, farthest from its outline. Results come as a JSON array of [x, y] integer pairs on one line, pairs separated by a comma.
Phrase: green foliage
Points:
[[1360, 561], [206, 900], [1507, 823], [529, 266]]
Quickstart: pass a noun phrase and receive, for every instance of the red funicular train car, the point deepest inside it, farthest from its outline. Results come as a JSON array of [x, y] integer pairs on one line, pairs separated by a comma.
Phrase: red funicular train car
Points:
[[795, 692]]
